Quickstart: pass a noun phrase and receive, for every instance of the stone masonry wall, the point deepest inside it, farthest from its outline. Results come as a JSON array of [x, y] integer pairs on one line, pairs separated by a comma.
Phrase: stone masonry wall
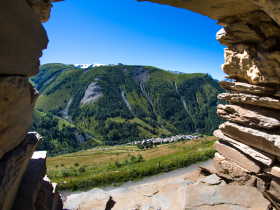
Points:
[[249, 145]]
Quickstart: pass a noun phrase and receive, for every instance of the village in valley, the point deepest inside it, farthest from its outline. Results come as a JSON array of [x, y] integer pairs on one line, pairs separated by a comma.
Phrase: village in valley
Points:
[[156, 141], [165, 140]]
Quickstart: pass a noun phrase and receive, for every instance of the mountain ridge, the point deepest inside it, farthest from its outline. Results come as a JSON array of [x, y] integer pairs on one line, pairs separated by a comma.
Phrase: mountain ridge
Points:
[[117, 104]]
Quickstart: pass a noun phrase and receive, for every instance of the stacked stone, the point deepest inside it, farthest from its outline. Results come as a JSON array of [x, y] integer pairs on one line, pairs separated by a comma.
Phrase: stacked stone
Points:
[[248, 151], [23, 181]]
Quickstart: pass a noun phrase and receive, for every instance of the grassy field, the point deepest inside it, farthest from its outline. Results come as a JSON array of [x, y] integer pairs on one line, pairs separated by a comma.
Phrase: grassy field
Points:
[[88, 169]]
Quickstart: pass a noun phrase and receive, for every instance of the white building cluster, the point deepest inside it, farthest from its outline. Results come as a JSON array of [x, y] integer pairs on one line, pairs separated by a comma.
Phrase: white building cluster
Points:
[[154, 141], [165, 140]]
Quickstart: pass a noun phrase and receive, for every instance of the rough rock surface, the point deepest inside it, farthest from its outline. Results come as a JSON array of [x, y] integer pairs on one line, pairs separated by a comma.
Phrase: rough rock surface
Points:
[[176, 194], [273, 170], [223, 166], [247, 63], [224, 197], [250, 99], [13, 166], [92, 93], [93, 199], [274, 189], [211, 180], [23, 39], [262, 140], [256, 154], [248, 88], [97, 200], [238, 157], [31, 182], [271, 7], [44, 200], [253, 116], [237, 33], [48, 197], [146, 190], [42, 9], [57, 201], [215, 9], [261, 183], [167, 194], [17, 101]]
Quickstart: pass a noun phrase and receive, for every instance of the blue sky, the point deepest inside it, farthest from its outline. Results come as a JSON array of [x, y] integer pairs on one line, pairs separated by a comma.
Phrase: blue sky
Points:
[[133, 33]]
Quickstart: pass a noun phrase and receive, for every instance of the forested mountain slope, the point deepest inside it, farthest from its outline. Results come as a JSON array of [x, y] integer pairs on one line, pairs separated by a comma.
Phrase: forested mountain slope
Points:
[[117, 104]]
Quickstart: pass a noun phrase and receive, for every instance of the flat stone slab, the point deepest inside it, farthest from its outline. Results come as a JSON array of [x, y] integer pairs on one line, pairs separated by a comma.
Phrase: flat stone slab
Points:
[[253, 116], [224, 197], [12, 167], [250, 99], [247, 88], [237, 33], [256, 154], [213, 179], [145, 190], [260, 139], [95, 199], [224, 166], [31, 182], [274, 170], [236, 156]]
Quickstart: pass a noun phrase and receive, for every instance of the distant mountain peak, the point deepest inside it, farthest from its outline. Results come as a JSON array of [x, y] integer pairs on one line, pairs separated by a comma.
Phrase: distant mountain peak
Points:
[[85, 66]]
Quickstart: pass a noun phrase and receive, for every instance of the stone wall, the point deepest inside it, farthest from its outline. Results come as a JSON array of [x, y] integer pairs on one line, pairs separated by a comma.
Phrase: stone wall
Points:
[[248, 151], [23, 181]]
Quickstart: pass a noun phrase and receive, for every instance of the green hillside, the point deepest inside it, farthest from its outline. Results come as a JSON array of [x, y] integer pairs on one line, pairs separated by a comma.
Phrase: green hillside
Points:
[[59, 135], [118, 104]]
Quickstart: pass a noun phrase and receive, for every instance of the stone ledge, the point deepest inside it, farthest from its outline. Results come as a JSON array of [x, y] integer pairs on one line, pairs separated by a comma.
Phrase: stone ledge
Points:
[[31, 182], [258, 117], [237, 157], [256, 154], [248, 88], [250, 99], [224, 166], [13, 166], [264, 141]]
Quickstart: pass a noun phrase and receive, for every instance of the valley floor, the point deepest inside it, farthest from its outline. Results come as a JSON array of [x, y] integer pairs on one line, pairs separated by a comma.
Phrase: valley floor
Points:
[[100, 168]]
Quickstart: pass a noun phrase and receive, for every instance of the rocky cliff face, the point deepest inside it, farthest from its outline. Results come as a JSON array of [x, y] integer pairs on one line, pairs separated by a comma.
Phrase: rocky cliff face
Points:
[[22, 172]]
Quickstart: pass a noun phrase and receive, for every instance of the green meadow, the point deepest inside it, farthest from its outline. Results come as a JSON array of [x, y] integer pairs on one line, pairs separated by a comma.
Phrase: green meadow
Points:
[[95, 168]]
